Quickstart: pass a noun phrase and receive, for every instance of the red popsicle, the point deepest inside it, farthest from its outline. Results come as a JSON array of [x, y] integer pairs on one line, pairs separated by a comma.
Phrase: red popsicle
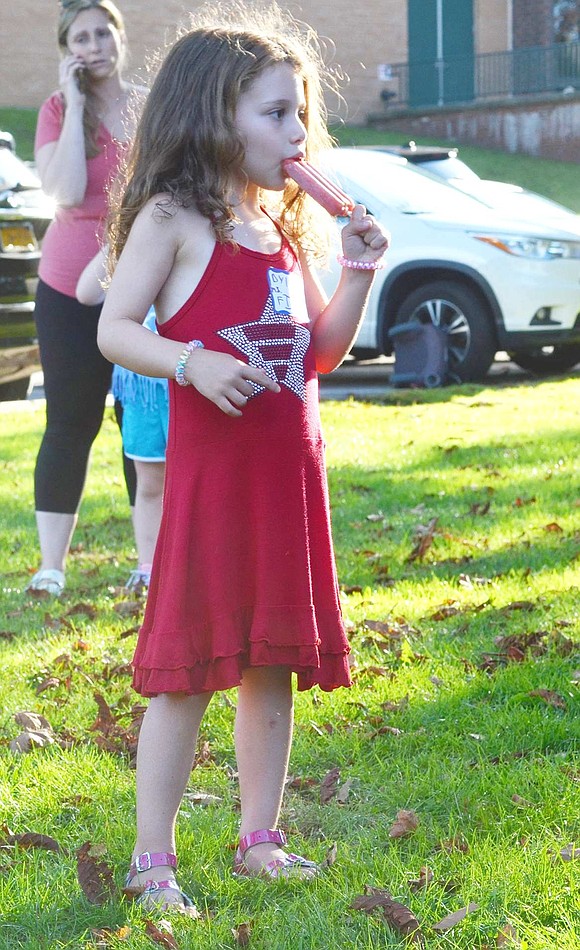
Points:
[[315, 184]]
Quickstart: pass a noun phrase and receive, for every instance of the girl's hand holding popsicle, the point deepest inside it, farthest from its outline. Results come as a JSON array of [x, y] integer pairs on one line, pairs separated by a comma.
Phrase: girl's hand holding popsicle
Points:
[[364, 241]]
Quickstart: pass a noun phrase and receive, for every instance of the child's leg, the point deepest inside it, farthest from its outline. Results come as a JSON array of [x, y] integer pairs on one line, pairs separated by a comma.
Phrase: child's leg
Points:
[[148, 508], [263, 735], [164, 761]]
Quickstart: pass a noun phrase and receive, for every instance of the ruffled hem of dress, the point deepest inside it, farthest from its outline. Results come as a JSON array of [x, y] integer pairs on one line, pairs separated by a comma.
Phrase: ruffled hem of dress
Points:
[[329, 671]]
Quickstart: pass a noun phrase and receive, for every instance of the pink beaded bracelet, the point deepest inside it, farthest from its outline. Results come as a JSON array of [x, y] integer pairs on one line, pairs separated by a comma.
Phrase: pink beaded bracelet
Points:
[[358, 265], [182, 362]]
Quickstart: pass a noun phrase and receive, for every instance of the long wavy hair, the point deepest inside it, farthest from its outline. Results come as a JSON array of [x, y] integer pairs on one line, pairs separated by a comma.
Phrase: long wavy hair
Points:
[[69, 10], [186, 145]]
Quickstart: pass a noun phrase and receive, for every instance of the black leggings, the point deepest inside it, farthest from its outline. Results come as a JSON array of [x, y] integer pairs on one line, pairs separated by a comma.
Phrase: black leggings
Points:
[[77, 379]]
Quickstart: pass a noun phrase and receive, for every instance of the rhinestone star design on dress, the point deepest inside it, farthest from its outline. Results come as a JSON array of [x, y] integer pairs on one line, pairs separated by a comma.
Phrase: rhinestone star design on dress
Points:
[[275, 343]]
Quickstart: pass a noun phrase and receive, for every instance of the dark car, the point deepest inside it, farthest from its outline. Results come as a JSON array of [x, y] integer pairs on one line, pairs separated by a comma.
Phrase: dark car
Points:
[[25, 213]]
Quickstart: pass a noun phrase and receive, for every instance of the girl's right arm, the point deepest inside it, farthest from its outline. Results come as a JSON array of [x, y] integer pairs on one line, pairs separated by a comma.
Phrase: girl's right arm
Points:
[[62, 165], [89, 289], [151, 271]]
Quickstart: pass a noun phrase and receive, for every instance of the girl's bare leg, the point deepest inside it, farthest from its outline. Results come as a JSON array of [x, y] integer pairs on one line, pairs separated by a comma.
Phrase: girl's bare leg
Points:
[[164, 761], [263, 736], [148, 508]]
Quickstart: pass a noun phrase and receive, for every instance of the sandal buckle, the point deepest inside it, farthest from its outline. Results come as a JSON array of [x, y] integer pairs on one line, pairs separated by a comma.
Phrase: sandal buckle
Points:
[[143, 862]]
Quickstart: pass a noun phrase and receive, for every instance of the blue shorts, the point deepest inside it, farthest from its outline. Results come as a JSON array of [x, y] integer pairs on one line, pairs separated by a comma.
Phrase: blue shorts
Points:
[[145, 402], [144, 428]]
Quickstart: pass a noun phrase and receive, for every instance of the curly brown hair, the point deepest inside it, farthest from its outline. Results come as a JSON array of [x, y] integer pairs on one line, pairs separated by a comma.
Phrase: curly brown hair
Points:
[[187, 147]]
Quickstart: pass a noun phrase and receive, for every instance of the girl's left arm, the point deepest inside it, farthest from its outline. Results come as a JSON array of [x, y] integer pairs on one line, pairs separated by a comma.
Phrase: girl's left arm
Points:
[[335, 322]]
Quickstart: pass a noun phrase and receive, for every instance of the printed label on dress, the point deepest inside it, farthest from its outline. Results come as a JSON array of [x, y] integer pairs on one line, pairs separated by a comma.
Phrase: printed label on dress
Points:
[[287, 290], [277, 343]]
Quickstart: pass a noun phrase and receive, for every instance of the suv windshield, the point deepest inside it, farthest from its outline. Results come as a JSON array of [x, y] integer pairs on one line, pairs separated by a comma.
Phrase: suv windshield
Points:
[[449, 168], [403, 186]]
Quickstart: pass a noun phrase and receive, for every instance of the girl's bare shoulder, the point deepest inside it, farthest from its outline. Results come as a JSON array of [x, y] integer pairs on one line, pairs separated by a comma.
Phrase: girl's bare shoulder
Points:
[[161, 211]]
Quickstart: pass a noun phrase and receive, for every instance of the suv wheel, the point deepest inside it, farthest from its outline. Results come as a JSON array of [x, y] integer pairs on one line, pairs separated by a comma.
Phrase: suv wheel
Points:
[[462, 313], [548, 359]]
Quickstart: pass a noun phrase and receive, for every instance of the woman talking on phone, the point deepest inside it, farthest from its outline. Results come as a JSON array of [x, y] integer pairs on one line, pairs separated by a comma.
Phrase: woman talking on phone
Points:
[[80, 138]]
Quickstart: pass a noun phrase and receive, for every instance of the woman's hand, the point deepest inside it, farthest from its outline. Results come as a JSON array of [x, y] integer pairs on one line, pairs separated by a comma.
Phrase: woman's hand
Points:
[[224, 380], [69, 73], [363, 238]]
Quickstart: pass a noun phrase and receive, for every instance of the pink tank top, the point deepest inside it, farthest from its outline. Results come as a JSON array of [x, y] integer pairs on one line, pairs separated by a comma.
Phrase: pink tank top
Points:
[[74, 236]]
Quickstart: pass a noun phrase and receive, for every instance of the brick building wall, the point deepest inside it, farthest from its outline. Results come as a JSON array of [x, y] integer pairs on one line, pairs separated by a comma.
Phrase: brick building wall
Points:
[[546, 129], [493, 26], [361, 37], [533, 23]]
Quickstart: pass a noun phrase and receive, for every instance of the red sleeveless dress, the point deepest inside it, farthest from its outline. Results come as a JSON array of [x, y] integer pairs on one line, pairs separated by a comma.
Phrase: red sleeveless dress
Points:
[[244, 572]]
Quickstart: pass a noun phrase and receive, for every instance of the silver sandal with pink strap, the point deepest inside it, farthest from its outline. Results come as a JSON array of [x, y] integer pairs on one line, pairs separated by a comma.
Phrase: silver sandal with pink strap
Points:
[[149, 890], [290, 866]]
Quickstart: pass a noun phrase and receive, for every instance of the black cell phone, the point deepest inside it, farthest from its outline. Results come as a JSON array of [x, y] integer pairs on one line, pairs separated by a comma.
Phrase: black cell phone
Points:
[[82, 78]]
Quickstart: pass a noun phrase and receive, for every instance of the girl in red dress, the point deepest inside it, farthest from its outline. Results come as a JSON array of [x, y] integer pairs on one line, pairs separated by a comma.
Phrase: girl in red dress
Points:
[[243, 591]]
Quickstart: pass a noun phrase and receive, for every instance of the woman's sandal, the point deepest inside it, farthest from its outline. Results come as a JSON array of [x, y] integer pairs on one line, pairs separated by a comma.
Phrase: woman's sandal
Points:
[[148, 892], [292, 866], [46, 581]]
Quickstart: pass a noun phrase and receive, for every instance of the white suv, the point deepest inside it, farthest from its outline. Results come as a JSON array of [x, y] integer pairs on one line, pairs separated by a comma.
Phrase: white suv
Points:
[[492, 282]]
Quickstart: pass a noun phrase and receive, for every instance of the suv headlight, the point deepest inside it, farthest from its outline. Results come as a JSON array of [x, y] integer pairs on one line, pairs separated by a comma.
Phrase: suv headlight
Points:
[[538, 249]]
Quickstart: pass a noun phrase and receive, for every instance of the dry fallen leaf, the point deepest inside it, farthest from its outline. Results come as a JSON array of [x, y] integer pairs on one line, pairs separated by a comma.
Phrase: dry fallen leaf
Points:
[[106, 937], [51, 682], [105, 720], [424, 535], [329, 785], [31, 840], [520, 502], [27, 741], [399, 706], [480, 508], [129, 632], [203, 754], [202, 798], [32, 722], [457, 843], [331, 854], [301, 782], [128, 608], [95, 877], [37, 732], [242, 933], [405, 824], [522, 802], [397, 915], [377, 671], [526, 605], [343, 792], [452, 919], [507, 937], [446, 610], [570, 853], [161, 933], [550, 697], [387, 629], [424, 879]]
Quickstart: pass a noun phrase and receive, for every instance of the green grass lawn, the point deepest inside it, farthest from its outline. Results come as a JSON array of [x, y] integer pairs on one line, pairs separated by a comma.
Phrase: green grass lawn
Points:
[[456, 522]]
